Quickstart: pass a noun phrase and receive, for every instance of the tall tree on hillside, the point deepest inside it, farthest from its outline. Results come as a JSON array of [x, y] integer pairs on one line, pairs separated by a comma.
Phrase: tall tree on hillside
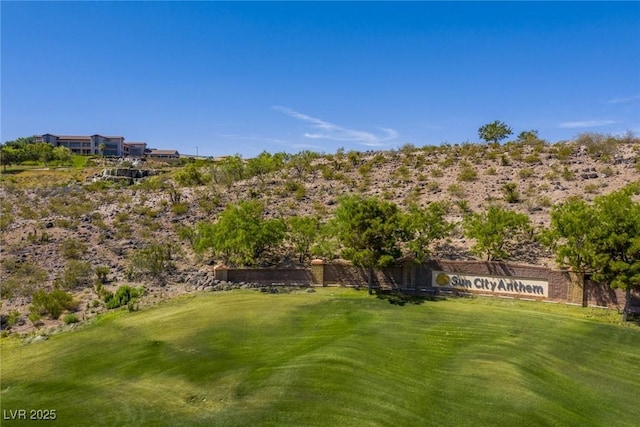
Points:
[[369, 230], [493, 230], [494, 132], [528, 137]]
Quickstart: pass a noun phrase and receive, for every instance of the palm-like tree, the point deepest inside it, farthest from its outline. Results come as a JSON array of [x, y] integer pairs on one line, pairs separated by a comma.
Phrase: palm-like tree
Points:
[[102, 147]]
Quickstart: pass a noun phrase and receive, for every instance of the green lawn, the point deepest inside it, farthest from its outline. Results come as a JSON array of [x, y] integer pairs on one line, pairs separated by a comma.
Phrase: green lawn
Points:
[[335, 358]]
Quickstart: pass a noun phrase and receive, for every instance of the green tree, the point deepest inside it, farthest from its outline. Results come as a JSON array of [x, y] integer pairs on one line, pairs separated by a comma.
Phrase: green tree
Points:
[[424, 226], [62, 154], [617, 241], [494, 132], [190, 175], [21, 142], [229, 170], [301, 233], [265, 163], [493, 230], [10, 156], [570, 235], [603, 238], [302, 163], [44, 152], [528, 137], [241, 234], [369, 231]]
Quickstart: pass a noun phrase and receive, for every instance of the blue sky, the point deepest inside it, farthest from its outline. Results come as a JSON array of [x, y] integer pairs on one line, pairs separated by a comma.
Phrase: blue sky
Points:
[[244, 77]]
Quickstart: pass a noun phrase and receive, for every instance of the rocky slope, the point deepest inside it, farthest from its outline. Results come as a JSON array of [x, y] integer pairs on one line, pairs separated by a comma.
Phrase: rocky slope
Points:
[[46, 226]]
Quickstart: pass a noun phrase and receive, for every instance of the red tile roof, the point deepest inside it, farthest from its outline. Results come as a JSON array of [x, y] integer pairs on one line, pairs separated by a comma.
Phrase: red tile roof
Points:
[[74, 137]]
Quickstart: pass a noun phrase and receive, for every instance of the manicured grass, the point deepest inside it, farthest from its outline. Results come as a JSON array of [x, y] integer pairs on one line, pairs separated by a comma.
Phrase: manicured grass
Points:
[[335, 357]]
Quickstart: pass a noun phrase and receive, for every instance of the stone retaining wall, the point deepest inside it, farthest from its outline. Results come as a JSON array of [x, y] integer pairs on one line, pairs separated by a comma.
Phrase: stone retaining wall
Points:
[[408, 276]]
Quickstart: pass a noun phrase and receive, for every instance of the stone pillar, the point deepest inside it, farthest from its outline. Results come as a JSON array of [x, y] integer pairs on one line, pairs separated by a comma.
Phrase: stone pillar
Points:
[[317, 272], [221, 272]]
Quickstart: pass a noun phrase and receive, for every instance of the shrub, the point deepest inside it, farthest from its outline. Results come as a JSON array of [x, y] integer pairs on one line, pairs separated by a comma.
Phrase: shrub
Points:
[[402, 173], [437, 173], [456, 190], [180, 208], [190, 175], [123, 296], [591, 188], [70, 318], [607, 171], [467, 173], [73, 249], [76, 274], [448, 162], [327, 172], [525, 173], [208, 202], [22, 280], [296, 188], [52, 304], [12, 318], [532, 158], [510, 191], [568, 174], [544, 201], [564, 151], [101, 273], [6, 219], [34, 318], [463, 205], [154, 183], [154, 259], [598, 146], [433, 186]]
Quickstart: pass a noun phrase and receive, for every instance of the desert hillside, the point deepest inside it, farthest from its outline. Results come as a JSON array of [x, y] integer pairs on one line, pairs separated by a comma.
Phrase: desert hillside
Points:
[[70, 228]]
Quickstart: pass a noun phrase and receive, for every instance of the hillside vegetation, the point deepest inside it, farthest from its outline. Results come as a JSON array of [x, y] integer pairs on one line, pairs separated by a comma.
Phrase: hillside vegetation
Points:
[[68, 227]]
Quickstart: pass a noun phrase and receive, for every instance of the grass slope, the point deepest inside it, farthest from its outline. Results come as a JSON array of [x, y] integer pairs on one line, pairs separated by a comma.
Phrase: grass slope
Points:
[[335, 357]]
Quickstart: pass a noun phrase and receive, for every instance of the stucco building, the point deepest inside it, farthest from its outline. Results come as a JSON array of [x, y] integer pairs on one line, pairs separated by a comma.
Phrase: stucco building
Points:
[[113, 146]]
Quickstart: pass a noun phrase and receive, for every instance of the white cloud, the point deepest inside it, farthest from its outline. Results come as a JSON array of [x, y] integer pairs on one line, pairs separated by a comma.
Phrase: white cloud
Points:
[[586, 124], [333, 132], [623, 100]]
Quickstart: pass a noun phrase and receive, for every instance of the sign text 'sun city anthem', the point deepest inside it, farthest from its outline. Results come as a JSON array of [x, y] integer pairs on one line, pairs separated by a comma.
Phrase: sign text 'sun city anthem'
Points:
[[491, 284]]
